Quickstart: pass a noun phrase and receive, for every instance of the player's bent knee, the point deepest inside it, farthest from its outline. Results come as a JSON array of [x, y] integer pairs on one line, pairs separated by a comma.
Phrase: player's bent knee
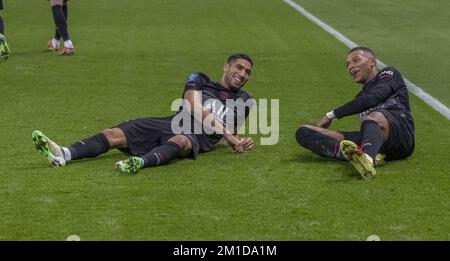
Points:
[[302, 134], [378, 117], [115, 136], [183, 142]]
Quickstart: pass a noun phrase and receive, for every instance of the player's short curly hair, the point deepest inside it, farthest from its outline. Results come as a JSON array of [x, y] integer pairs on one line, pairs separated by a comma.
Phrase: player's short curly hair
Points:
[[236, 56]]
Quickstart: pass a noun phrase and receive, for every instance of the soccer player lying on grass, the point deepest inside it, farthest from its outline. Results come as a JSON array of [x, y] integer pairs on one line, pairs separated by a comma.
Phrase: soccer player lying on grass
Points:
[[387, 125], [4, 49], [153, 141]]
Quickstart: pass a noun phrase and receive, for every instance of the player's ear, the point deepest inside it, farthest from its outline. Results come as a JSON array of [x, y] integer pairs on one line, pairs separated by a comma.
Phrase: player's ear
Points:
[[226, 67], [374, 61]]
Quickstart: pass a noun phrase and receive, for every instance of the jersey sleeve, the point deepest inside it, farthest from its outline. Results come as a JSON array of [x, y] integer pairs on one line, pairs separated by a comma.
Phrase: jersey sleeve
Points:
[[195, 81], [385, 86]]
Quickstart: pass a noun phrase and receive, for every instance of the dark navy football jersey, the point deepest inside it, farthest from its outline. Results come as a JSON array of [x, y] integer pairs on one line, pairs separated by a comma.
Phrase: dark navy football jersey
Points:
[[214, 97], [386, 90]]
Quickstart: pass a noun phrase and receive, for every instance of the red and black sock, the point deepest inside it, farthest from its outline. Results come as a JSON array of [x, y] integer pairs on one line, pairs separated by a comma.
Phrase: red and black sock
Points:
[[371, 138], [162, 154]]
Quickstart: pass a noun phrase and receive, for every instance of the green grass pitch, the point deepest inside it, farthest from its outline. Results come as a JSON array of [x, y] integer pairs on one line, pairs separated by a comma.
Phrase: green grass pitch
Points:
[[132, 60]]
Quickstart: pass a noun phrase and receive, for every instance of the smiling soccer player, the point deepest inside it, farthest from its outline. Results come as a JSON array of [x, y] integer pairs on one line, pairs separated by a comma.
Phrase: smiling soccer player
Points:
[[387, 126], [153, 142]]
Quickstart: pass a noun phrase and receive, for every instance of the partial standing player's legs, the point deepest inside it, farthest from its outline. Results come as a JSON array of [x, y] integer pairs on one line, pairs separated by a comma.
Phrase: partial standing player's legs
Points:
[[2, 28], [87, 148], [176, 147], [60, 12], [4, 48], [54, 43]]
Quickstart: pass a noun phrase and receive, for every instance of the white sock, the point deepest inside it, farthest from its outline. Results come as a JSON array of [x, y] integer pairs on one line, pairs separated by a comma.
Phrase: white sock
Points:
[[66, 153], [55, 42], [369, 158], [142, 161], [68, 44]]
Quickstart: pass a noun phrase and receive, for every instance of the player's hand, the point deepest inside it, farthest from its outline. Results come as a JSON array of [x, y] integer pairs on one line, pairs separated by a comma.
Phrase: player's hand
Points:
[[324, 122], [234, 142], [247, 143]]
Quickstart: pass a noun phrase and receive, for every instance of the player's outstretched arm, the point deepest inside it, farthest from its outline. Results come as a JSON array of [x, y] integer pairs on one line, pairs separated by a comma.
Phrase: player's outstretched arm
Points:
[[201, 114]]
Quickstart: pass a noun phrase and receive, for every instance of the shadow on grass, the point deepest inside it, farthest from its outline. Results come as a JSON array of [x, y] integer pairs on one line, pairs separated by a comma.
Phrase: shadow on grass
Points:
[[343, 170], [28, 53], [312, 158], [113, 157]]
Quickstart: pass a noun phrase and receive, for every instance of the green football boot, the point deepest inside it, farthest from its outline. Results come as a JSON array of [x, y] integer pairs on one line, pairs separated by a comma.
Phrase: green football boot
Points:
[[48, 148], [356, 156], [129, 166], [4, 48]]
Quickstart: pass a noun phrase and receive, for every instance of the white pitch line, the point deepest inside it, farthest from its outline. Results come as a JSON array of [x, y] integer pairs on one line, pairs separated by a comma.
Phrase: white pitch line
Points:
[[428, 99]]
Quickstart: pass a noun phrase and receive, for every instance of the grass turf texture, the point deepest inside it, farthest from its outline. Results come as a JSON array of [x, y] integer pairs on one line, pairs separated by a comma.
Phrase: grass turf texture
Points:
[[132, 61], [412, 35]]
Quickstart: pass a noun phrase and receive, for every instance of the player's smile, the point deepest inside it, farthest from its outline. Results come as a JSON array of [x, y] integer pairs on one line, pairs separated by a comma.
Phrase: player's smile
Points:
[[354, 74], [359, 66], [237, 73], [239, 80]]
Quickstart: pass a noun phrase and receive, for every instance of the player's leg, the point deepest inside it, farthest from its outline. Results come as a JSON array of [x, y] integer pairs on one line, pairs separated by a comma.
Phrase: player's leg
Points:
[[60, 22], [61, 27], [400, 141], [97, 144], [176, 147], [2, 27], [87, 148], [355, 137], [4, 48], [65, 10], [54, 43], [68, 45], [374, 131], [322, 142]]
